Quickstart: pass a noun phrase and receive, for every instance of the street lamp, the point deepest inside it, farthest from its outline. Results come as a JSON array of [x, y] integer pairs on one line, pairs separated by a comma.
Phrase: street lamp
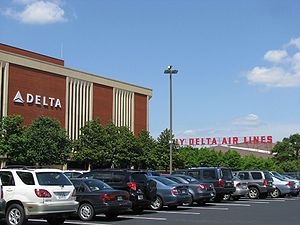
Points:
[[170, 72]]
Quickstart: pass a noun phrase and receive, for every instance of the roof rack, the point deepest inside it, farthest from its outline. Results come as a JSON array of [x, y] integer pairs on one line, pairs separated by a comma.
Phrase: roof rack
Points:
[[23, 167]]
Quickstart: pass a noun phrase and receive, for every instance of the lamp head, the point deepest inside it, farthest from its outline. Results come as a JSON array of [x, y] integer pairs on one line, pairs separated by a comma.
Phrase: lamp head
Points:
[[170, 67]]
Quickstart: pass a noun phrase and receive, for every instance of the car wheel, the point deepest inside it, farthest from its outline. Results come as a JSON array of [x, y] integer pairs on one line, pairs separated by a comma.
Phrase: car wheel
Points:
[[276, 193], [190, 203], [157, 204], [253, 193], [86, 212], [111, 215], [55, 220], [15, 215], [227, 197]]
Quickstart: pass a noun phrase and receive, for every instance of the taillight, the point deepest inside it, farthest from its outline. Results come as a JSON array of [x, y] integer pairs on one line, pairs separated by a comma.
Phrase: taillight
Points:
[[265, 183], [238, 184], [288, 184], [106, 197], [74, 193], [174, 191], [132, 185], [42, 193], [220, 183], [201, 187]]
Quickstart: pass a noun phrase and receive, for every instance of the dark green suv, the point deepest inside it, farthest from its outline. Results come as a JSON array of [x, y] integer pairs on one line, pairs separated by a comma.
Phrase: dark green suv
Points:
[[220, 177]]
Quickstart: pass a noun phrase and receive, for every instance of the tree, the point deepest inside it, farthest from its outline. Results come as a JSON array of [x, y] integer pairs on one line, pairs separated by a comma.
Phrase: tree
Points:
[[91, 145], [146, 151], [12, 139], [231, 159], [287, 149], [47, 143]]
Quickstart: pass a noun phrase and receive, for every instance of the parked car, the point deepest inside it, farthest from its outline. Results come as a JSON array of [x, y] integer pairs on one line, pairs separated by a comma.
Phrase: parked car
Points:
[[260, 183], [169, 193], [282, 187], [220, 177], [200, 192], [297, 183], [95, 197], [2, 202], [241, 190], [142, 190], [40, 193]]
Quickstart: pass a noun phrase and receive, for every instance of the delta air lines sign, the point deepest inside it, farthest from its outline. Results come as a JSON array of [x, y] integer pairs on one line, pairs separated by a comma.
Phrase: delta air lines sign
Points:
[[38, 100]]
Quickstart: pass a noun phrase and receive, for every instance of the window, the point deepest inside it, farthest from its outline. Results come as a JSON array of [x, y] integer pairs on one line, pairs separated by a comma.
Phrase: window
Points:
[[7, 178], [105, 176], [194, 174], [118, 177], [209, 174], [96, 185], [256, 175], [26, 177], [52, 179], [243, 175], [226, 174]]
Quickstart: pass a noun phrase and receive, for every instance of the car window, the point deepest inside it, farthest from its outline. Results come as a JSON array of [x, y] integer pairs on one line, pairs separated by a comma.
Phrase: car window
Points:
[[165, 180], [268, 175], [138, 177], [105, 176], [118, 177], [96, 185], [52, 179], [7, 178], [195, 174], [226, 174], [243, 175], [256, 175], [209, 174], [26, 177]]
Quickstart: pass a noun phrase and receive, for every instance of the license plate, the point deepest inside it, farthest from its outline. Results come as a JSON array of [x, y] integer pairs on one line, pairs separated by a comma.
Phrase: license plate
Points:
[[119, 198], [140, 197], [61, 195]]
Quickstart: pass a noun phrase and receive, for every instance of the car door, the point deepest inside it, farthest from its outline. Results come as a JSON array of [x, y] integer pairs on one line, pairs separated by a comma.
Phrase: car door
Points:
[[8, 185]]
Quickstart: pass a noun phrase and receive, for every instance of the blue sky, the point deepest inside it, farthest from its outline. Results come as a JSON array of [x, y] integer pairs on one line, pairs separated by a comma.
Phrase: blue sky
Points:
[[238, 61]]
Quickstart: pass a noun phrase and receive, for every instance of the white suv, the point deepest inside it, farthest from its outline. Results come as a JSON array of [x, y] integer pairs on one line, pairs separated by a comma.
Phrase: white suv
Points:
[[37, 193]]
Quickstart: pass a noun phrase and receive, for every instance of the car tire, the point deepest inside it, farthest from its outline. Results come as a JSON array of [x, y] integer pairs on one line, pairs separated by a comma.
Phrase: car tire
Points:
[[276, 193], [86, 212], [227, 197], [15, 215], [56, 220], [190, 203], [157, 204], [111, 216], [253, 193]]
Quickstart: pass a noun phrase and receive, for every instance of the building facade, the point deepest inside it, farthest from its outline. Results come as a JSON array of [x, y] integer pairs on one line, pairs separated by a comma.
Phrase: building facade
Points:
[[34, 85]]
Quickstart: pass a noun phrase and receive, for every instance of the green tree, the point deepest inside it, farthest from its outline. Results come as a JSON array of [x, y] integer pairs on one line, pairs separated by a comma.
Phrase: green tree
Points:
[[231, 159], [12, 139], [46, 142], [91, 145], [287, 149]]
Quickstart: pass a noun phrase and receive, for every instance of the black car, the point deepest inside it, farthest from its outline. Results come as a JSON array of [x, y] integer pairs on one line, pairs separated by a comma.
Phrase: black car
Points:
[[199, 191], [95, 197], [220, 177], [142, 191]]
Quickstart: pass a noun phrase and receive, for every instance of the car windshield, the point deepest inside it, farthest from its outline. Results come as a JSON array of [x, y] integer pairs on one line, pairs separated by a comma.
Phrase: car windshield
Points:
[[52, 179], [190, 180], [96, 185], [277, 174], [165, 181], [137, 177]]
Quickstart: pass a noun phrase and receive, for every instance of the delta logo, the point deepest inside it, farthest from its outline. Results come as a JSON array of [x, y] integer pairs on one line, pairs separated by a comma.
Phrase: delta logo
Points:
[[37, 100]]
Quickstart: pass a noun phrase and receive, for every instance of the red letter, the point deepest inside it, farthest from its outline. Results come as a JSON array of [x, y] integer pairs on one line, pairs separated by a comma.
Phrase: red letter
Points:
[[208, 141], [182, 141], [224, 141], [256, 140], [245, 140], [235, 140], [191, 141], [202, 141], [197, 141], [214, 141], [263, 139], [270, 139]]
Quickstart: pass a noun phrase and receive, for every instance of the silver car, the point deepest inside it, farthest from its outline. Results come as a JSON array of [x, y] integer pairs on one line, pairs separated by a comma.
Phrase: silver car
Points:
[[282, 187], [241, 190]]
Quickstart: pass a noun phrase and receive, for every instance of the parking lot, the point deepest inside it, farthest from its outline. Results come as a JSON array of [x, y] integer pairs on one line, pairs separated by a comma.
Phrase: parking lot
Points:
[[280, 211]]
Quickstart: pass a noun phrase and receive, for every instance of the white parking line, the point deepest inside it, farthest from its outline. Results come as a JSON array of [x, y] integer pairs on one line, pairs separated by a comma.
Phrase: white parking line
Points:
[[72, 222], [229, 204], [206, 208], [174, 212], [257, 202], [143, 218]]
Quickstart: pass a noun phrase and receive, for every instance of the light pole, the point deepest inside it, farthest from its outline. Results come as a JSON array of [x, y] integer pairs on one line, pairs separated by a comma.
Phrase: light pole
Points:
[[170, 72]]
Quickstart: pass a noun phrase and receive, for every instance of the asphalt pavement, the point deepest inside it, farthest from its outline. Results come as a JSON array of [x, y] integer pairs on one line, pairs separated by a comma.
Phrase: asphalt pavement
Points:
[[282, 211]]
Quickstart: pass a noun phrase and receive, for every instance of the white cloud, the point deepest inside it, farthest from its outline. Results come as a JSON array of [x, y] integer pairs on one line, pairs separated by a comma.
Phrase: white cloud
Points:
[[295, 42], [285, 71], [275, 56], [248, 120], [38, 12]]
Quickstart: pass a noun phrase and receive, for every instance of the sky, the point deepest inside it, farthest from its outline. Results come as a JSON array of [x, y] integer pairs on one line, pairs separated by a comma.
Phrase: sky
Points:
[[238, 61]]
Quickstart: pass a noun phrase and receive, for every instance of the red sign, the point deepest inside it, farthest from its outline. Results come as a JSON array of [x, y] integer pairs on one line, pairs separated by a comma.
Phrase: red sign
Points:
[[225, 140]]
